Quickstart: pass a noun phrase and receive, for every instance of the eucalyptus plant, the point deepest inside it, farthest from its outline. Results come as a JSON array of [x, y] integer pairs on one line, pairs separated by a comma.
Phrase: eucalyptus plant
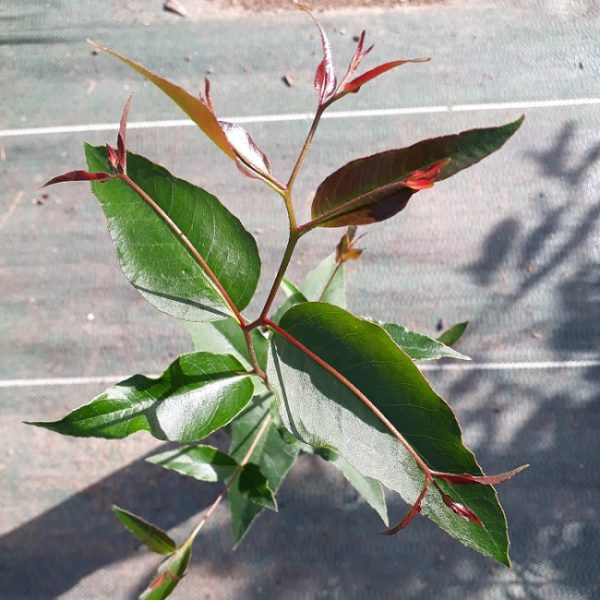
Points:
[[309, 376]]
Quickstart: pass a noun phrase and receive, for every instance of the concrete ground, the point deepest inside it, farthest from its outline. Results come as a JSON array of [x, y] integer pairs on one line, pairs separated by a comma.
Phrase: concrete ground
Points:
[[513, 245]]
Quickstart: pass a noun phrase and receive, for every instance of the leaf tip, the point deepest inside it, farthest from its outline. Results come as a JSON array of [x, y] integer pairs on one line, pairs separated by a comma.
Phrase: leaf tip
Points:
[[96, 45]]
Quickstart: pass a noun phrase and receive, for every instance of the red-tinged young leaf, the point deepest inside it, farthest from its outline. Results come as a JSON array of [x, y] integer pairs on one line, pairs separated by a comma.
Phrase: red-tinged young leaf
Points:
[[358, 55], [121, 137], [423, 180], [325, 77], [194, 107], [466, 478], [79, 176], [251, 160], [113, 159], [460, 509], [354, 86], [374, 188], [345, 249], [207, 99], [168, 575]]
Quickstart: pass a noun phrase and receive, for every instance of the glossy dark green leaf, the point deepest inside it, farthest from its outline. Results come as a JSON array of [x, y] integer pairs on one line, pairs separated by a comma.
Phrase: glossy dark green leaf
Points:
[[275, 454], [153, 257], [370, 489], [198, 394], [150, 535], [255, 487], [168, 574], [226, 337], [453, 334], [376, 187], [419, 346], [326, 283], [204, 463], [319, 409]]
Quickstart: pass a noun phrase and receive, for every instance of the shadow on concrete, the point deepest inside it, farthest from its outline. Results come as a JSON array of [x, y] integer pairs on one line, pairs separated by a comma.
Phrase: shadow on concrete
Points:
[[51, 553]]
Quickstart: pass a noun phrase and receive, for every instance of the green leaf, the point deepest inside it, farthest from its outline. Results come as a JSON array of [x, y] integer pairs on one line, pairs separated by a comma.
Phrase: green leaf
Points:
[[452, 335], [370, 489], [153, 257], [226, 337], [168, 574], [290, 289], [150, 535], [294, 296], [376, 187], [274, 454], [198, 394], [191, 105], [254, 485], [419, 346], [204, 463], [326, 283], [319, 409]]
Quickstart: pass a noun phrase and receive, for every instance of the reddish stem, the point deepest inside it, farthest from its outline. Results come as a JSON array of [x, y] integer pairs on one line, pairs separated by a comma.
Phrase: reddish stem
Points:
[[412, 513]]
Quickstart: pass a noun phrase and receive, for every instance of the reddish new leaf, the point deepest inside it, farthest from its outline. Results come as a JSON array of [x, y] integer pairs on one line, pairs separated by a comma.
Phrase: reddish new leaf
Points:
[[251, 160], [376, 187], [460, 509], [325, 77], [79, 176], [113, 159], [423, 180], [345, 249], [121, 137], [466, 478], [194, 107], [353, 86], [358, 57]]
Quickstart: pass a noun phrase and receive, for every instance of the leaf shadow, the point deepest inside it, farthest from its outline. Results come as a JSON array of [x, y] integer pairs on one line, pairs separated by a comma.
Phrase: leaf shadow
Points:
[[51, 553]]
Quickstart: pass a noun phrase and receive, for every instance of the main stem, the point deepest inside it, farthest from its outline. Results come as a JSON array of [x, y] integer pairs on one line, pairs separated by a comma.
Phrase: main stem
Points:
[[294, 232], [305, 147]]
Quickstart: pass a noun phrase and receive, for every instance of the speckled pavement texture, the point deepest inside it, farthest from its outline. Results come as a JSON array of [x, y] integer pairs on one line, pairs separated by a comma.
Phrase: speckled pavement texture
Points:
[[511, 245]]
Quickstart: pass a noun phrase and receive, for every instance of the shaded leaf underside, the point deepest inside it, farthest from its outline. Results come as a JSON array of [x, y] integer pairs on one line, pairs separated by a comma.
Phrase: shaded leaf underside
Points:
[[323, 412]]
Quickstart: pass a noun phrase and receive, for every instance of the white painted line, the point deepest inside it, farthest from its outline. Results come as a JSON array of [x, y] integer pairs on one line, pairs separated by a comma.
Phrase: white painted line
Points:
[[501, 366], [348, 114], [512, 366], [8, 383]]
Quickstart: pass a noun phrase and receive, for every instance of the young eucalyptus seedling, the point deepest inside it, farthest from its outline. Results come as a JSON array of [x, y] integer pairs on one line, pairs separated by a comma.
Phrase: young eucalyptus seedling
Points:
[[309, 376]]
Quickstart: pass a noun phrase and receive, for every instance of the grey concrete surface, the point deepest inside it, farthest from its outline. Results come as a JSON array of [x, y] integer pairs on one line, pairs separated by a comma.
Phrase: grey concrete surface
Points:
[[513, 245]]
